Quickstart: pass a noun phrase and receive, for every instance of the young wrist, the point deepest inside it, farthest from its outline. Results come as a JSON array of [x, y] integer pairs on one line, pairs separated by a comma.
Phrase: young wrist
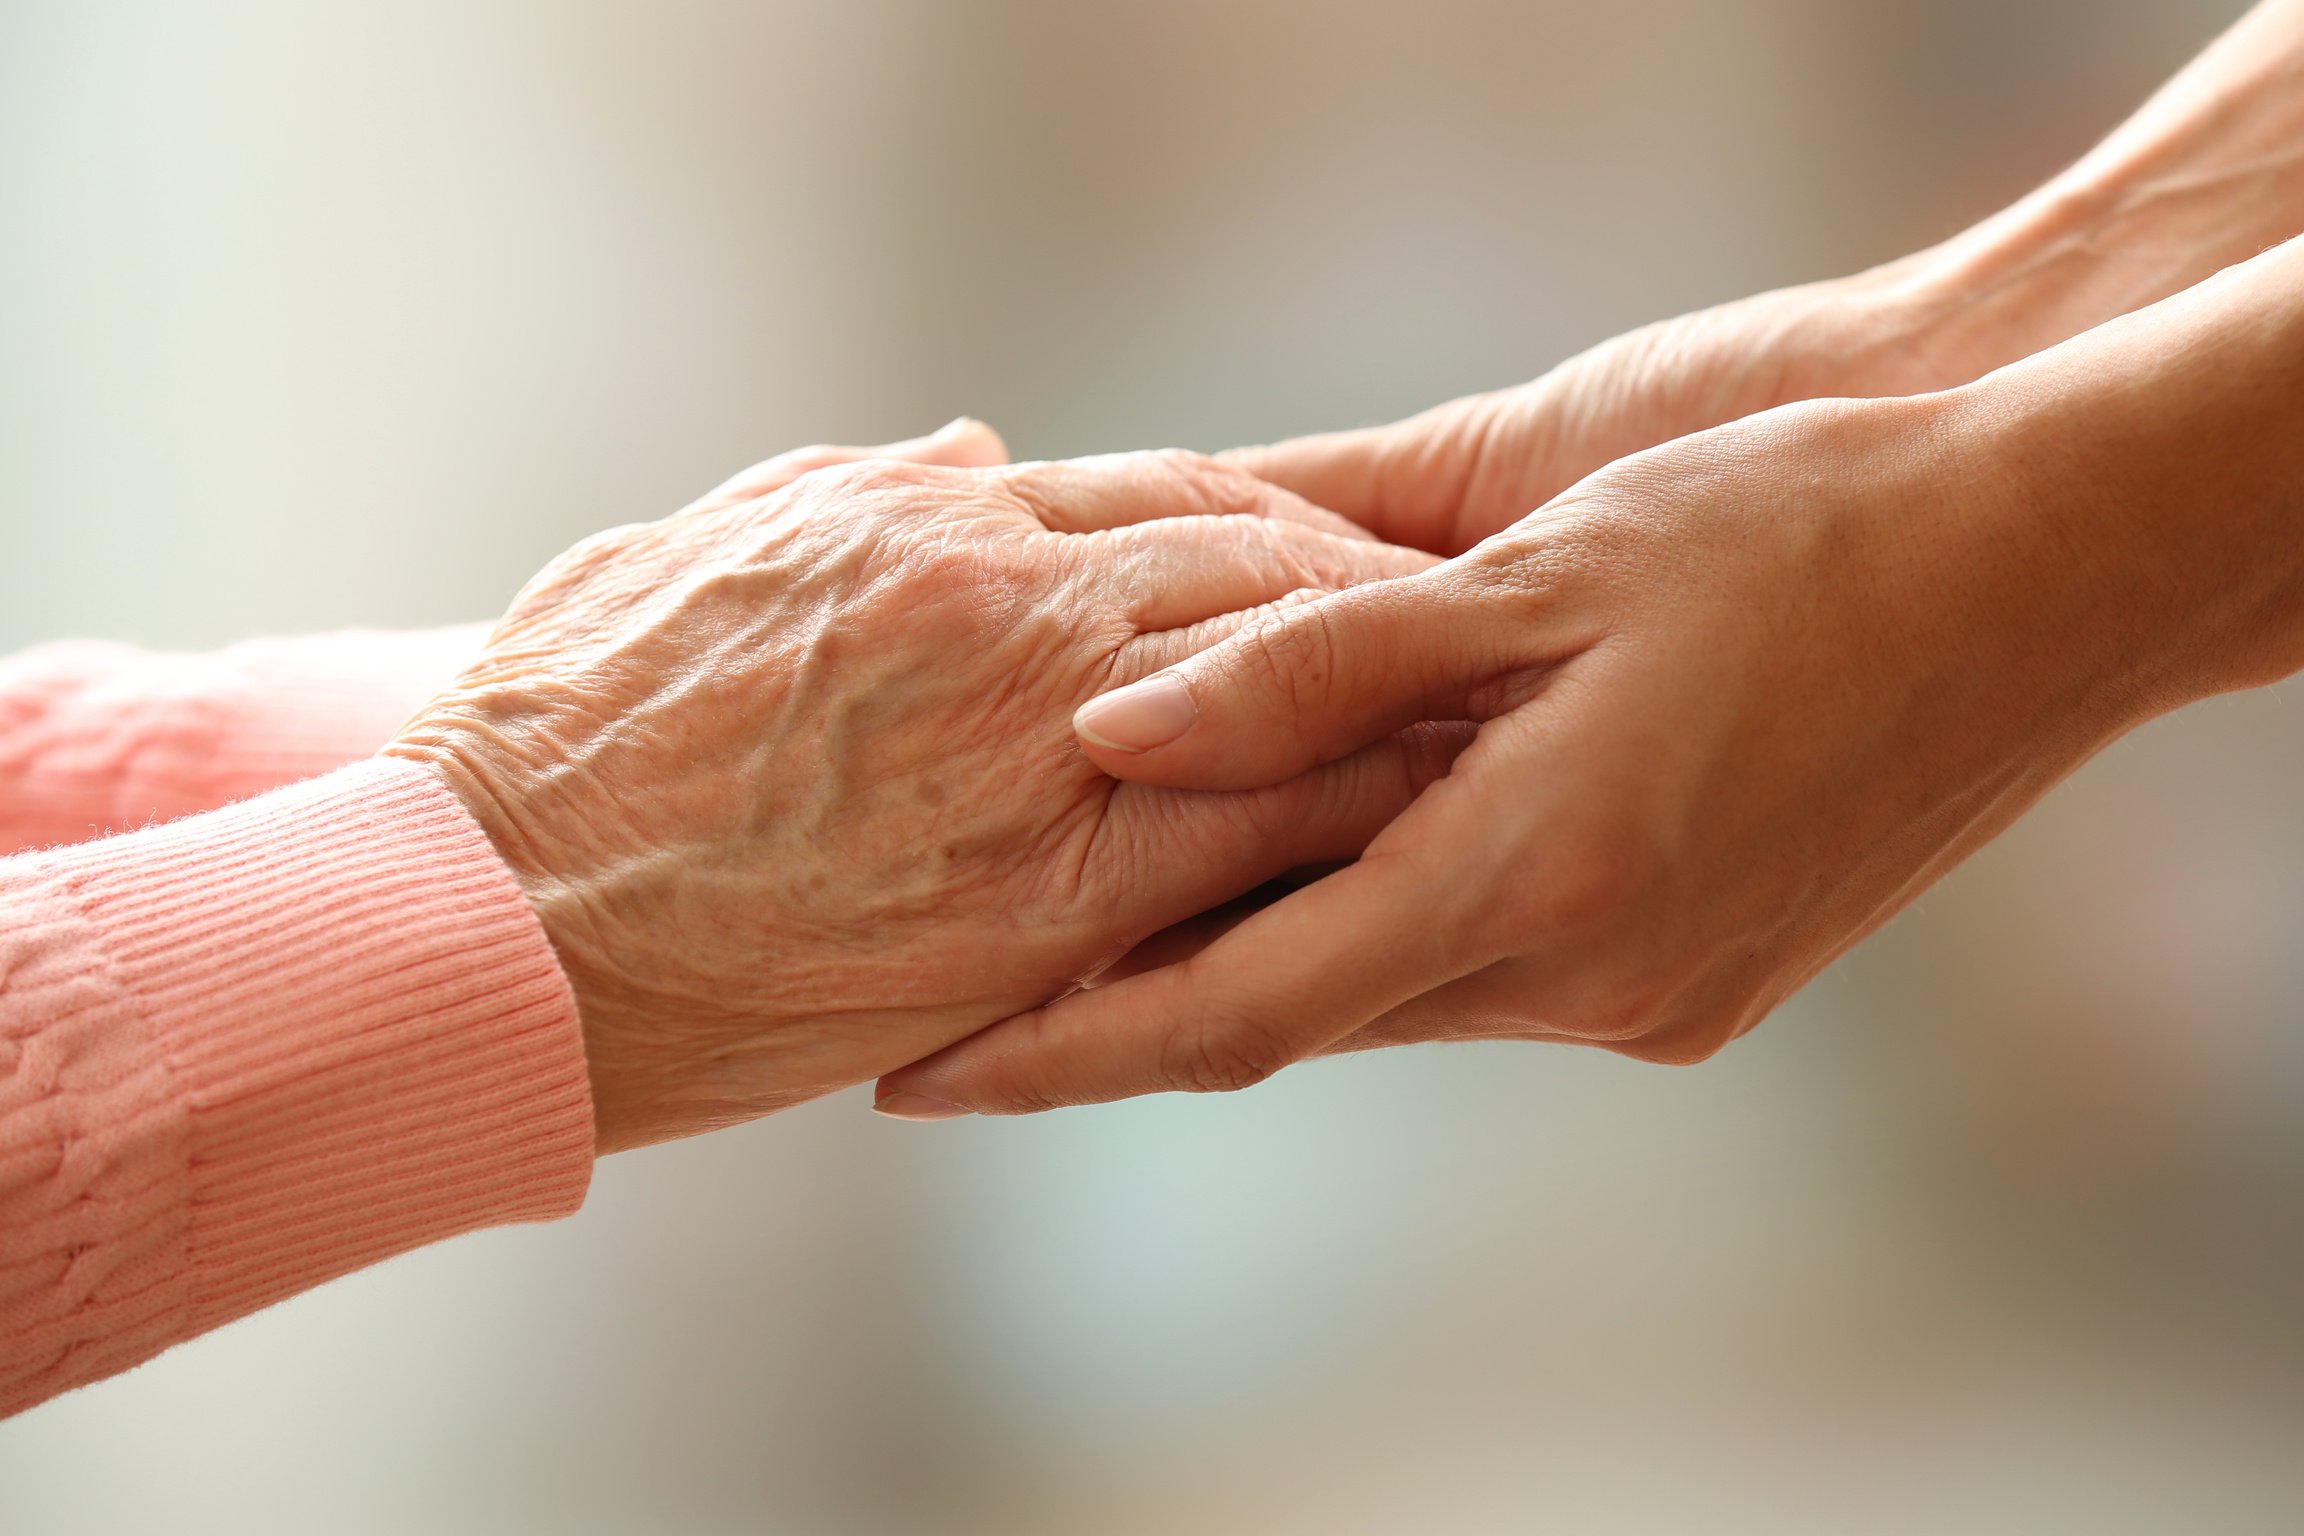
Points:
[[2156, 462]]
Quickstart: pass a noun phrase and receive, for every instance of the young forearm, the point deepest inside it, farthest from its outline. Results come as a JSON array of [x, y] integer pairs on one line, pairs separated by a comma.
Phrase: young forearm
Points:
[[2161, 459]]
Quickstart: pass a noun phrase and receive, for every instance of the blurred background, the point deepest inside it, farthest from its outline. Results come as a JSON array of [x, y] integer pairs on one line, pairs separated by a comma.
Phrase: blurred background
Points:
[[316, 315]]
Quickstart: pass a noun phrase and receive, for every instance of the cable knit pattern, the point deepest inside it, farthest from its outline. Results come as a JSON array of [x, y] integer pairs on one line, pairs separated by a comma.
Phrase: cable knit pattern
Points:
[[97, 737], [250, 1050], [95, 1148]]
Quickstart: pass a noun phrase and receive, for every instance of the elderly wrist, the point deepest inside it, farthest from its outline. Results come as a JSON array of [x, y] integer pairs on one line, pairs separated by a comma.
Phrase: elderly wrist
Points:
[[454, 757], [2161, 205], [2027, 278]]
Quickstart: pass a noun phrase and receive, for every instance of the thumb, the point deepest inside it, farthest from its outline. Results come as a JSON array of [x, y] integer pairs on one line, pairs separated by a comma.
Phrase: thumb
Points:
[[1305, 686], [1285, 984]]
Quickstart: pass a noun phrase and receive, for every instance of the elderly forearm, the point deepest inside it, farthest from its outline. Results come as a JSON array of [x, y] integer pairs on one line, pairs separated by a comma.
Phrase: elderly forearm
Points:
[[2208, 172], [259, 1048], [97, 737]]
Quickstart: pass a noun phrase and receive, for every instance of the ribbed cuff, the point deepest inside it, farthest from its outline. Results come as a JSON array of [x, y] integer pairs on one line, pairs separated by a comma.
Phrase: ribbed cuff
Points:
[[363, 1017]]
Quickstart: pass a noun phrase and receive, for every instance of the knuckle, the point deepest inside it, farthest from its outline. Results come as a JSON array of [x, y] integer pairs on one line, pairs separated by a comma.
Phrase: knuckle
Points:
[[1023, 1098], [1213, 1065], [1662, 1018], [1685, 1044], [1182, 462], [1292, 654], [1041, 491], [1223, 1052], [1276, 817], [1277, 609], [1627, 1018], [1218, 489], [1525, 572], [1312, 561], [1703, 1031], [1026, 1082], [1175, 461], [1590, 886], [1673, 1052]]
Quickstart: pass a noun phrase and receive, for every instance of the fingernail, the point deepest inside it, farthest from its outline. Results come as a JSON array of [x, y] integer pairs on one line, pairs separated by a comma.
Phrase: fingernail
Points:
[[1139, 717], [958, 426], [916, 1106]]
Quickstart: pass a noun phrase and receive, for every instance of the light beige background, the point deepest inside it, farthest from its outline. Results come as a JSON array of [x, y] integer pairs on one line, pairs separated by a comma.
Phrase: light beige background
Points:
[[324, 314]]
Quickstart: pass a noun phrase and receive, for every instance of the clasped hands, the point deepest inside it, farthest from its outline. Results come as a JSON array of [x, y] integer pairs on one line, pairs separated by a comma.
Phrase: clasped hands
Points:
[[1618, 705]]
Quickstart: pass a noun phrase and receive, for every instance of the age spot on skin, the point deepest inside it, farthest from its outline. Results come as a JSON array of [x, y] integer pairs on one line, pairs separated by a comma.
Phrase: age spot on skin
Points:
[[930, 792]]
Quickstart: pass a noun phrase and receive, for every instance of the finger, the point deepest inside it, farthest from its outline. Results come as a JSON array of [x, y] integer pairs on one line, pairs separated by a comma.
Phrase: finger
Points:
[[962, 443], [1235, 853], [1181, 570], [1164, 648], [1178, 941], [1283, 985], [1221, 844], [1309, 684], [1504, 1001], [1407, 482], [1120, 489], [1181, 941]]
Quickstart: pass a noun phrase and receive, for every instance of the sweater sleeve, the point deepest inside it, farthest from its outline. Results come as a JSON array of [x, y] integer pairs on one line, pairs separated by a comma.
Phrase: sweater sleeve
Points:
[[251, 1050], [98, 737]]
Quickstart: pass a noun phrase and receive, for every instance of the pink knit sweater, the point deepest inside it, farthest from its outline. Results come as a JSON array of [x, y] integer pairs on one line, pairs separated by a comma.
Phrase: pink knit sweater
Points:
[[254, 1048]]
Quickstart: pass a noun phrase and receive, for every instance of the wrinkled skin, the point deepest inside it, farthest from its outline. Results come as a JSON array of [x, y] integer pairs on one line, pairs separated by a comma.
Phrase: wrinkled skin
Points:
[[789, 777]]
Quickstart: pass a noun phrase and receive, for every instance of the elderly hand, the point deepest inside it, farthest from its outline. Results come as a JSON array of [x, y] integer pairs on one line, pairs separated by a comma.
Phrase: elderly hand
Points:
[[789, 780], [1740, 699]]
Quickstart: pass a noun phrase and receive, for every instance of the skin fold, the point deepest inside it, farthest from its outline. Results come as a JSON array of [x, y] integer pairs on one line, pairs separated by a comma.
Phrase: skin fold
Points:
[[788, 779]]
